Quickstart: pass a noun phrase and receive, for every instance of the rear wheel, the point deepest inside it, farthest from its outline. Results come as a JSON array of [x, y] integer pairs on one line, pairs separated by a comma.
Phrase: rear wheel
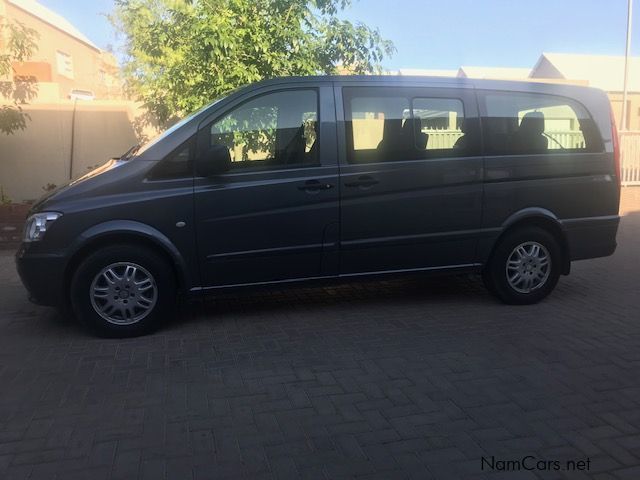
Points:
[[123, 291], [524, 267]]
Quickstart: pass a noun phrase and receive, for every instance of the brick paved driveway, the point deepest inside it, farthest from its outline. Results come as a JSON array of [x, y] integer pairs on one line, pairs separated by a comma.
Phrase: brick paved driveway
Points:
[[410, 378]]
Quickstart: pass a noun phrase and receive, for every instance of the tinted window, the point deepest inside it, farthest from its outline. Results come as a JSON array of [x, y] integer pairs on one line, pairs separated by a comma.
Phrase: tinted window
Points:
[[278, 129], [441, 123], [394, 127], [176, 165], [523, 123]]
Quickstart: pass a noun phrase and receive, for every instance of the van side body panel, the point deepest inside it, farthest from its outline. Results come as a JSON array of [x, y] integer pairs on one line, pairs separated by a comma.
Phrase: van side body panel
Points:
[[265, 225], [417, 214], [578, 191]]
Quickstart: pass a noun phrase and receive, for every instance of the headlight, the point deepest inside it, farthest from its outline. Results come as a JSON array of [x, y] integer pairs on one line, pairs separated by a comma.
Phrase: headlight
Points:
[[37, 224]]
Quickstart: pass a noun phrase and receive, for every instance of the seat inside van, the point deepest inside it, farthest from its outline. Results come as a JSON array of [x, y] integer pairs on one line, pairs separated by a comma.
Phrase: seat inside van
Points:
[[530, 138], [402, 138]]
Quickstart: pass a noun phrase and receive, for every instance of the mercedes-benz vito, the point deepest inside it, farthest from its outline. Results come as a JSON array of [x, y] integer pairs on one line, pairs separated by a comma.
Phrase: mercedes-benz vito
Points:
[[304, 179]]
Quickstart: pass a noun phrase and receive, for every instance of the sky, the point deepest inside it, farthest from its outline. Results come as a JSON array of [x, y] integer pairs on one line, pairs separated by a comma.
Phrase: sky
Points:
[[450, 33]]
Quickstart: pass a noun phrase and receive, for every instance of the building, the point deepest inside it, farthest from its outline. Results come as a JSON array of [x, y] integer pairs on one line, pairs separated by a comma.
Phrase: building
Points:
[[63, 138], [66, 63], [426, 72], [493, 73], [601, 71]]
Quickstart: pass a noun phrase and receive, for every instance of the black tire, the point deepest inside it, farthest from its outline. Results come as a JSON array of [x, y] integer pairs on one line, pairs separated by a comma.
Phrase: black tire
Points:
[[495, 272], [161, 278]]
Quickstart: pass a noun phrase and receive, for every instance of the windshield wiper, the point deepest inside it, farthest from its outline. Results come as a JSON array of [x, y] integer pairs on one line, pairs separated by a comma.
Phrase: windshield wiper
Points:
[[131, 152]]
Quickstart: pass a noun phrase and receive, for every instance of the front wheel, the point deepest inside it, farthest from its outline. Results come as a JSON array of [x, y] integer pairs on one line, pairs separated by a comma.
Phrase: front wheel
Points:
[[524, 267], [123, 291]]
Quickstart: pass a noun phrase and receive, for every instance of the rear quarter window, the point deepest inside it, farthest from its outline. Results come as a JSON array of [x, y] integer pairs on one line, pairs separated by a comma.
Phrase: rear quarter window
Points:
[[531, 123]]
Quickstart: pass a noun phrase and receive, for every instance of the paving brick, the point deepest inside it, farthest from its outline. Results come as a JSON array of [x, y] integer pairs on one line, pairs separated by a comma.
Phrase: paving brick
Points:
[[399, 378], [630, 473]]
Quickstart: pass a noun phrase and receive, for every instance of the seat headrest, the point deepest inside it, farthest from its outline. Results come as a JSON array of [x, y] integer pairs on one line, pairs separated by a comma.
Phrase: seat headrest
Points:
[[392, 127], [533, 122], [412, 133], [412, 126]]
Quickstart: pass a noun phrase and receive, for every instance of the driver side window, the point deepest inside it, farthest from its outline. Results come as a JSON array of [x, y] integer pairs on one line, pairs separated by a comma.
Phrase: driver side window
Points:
[[278, 130]]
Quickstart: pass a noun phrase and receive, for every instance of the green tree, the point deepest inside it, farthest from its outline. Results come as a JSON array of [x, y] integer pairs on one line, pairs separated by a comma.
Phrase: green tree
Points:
[[181, 54], [18, 43]]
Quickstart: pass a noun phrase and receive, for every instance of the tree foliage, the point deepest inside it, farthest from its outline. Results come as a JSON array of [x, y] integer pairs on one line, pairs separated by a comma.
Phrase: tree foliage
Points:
[[19, 44], [181, 54]]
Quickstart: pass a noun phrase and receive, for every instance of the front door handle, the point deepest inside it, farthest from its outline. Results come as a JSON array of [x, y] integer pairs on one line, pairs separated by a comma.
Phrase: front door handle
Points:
[[363, 181], [314, 186]]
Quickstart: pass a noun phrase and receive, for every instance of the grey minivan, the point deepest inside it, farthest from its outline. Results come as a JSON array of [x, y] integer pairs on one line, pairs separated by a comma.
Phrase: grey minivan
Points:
[[308, 179]]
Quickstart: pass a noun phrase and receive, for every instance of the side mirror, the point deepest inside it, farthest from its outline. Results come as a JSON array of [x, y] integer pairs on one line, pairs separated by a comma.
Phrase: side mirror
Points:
[[214, 161]]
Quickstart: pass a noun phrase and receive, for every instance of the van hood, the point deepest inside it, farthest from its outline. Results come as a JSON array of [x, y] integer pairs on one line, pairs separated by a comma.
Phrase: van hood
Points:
[[59, 191]]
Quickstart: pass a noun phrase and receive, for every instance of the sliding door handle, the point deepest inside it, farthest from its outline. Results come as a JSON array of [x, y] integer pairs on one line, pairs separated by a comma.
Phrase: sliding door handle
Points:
[[314, 186]]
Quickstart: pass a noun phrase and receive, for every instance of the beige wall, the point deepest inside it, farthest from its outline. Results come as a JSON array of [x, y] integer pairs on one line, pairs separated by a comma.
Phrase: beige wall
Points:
[[88, 62], [633, 109], [41, 154]]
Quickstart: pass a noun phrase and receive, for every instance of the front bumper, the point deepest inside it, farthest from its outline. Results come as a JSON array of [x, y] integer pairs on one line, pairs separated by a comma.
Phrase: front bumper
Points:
[[42, 274]]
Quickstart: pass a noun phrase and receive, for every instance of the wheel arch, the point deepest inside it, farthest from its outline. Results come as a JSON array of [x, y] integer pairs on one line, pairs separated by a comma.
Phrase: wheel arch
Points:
[[126, 232], [544, 219]]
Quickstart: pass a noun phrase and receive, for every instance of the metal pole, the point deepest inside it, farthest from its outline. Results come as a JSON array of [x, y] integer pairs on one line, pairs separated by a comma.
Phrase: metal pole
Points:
[[623, 121], [73, 137]]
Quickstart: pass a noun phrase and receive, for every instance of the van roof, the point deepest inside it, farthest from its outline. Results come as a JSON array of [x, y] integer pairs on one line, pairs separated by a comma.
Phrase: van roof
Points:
[[455, 82]]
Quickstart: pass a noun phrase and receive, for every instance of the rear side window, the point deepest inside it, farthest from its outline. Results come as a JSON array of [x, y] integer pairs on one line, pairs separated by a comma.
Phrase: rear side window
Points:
[[383, 127], [529, 124], [441, 123]]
